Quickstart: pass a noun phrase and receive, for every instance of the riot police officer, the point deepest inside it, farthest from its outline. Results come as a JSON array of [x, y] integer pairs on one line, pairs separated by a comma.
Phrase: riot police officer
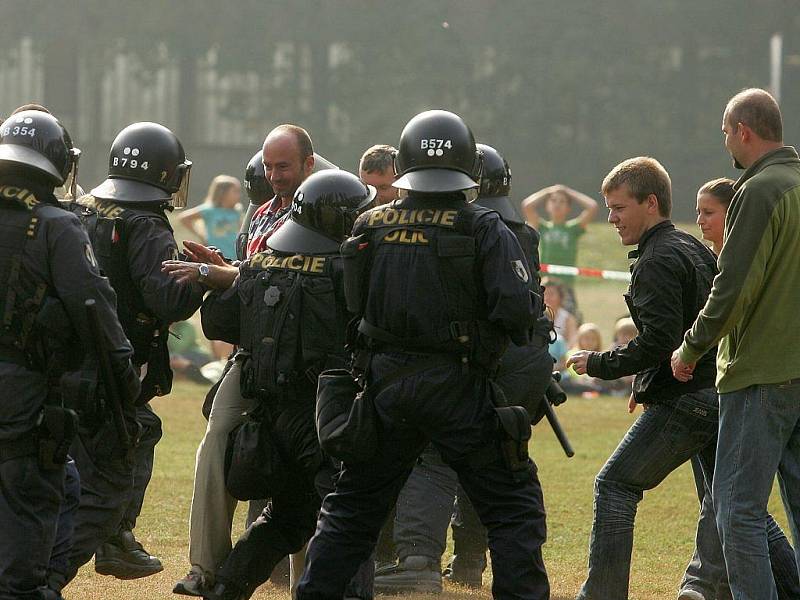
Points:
[[425, 504], [287, 313], [126, 219], [47, 272], [442, 287], [524, 371]]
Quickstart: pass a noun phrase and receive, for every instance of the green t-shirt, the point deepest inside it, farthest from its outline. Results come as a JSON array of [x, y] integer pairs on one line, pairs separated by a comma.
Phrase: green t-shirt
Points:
[[559, 244]]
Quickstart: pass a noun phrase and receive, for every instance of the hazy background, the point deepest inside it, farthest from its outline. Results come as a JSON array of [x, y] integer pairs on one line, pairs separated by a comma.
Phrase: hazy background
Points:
[[565, 89]]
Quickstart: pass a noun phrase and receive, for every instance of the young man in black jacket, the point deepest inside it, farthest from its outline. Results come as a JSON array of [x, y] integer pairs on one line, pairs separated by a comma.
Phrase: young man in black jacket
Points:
[[671, 277]]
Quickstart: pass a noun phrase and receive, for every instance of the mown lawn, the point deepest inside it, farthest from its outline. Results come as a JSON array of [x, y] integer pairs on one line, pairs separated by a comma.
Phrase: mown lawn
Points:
[[664, 533], [665, 523]]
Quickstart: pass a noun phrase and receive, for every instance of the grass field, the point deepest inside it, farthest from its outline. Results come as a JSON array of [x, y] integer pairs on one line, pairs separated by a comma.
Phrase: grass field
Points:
[[665, 523], [664, 532]]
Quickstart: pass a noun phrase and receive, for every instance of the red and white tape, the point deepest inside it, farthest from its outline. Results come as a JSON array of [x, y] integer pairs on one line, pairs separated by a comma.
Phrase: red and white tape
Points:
[[586, 272]]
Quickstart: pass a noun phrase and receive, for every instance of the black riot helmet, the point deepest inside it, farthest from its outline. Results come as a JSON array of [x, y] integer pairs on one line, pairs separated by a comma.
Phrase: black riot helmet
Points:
[[324, 209], [146, 164], [256, 183], [35, 140], [437, 153], [495, 187]]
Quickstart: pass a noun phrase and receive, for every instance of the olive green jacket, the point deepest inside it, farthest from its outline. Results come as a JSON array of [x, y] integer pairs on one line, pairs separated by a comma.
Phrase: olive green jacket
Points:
[[753, 311]]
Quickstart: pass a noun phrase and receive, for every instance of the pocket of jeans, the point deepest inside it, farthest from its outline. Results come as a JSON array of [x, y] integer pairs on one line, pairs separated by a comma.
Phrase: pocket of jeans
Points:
[[692, 424], [783, 399]]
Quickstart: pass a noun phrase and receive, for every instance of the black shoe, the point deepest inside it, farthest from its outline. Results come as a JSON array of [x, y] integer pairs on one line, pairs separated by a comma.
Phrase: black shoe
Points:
[[416, 574], [121, 556], [224, 591], [466, 571], [46, 593]]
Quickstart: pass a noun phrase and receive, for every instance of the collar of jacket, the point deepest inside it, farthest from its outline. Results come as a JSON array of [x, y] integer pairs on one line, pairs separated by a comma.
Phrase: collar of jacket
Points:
[[663, 225], [43, 193], [786, 154]]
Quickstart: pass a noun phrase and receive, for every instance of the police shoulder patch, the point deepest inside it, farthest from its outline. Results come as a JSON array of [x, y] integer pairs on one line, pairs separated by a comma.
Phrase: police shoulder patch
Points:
[[520, 271]]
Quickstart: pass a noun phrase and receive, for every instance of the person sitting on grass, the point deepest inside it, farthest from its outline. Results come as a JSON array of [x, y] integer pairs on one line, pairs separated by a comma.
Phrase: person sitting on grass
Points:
[[590, 339], [564, 322]]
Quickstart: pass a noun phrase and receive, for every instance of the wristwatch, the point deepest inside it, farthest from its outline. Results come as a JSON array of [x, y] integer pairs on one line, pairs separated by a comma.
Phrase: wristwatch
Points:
[[202, 269]]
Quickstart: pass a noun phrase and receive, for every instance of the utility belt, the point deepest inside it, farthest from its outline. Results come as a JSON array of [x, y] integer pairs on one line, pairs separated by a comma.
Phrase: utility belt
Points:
[[289, 389], [50, 441], [477, 341]]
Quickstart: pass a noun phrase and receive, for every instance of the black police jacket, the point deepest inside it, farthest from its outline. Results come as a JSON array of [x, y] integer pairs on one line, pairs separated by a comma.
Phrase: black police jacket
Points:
[[131, 241], [437, 260], [670, 281], [57, 256]]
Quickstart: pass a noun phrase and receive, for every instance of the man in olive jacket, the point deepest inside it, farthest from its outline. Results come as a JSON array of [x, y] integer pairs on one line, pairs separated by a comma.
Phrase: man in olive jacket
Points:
[[752, 313]]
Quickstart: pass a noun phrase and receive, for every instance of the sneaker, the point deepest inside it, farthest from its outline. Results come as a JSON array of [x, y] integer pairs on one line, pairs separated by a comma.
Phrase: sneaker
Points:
[[417, 574], [690, 594], [192, 585], [123, 557]]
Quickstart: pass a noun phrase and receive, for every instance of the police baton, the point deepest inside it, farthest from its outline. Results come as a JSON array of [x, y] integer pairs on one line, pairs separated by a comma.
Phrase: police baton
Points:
[[555, 396], [114, 399]]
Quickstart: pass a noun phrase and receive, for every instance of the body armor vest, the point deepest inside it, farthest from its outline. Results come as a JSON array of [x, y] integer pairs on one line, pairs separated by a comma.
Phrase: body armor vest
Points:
[[292, 321], [36, 330], [106, 224], [20, 296], [447, 233]]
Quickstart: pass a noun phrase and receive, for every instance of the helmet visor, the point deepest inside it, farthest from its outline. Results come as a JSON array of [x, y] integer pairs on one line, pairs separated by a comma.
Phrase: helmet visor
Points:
[[181, 197], [435, 180]]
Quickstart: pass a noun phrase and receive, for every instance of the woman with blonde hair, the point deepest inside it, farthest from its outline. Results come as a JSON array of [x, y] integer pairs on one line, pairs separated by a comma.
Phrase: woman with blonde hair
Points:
[[220, 215]]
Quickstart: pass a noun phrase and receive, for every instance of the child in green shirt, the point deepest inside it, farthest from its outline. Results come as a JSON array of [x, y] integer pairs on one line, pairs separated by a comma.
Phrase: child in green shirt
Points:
[[559, 234]]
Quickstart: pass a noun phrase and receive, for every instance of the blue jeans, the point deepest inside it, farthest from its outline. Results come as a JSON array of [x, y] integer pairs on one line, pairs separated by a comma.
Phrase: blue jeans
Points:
[[706, 571], [759, 435], [662, 438]]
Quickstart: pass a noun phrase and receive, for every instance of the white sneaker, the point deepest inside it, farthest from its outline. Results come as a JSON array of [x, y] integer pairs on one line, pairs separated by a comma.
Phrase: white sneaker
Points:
[[690, 594], [194, 584]]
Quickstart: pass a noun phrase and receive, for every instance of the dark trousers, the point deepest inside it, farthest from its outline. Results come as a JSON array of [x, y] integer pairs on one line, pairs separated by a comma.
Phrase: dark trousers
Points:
[[144, 457], [289, 519], [418, 523], [62, 547], [106, 485], [451, 407], [30, 498]]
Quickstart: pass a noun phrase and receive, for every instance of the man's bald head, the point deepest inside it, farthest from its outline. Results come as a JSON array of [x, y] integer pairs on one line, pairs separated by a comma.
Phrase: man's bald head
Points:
[[297, 135], [757, 109], [288, 159]]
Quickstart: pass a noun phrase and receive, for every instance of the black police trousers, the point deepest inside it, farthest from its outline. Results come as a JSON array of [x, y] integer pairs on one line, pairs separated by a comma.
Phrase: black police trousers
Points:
[[30, 498], [289, 519], [144, 456], [451, 407], [106, 487], [524, 374]]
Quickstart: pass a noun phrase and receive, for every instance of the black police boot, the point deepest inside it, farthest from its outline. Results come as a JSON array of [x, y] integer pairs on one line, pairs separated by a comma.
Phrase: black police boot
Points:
[[225, 591], [46, 593], [416, 574], [466, 570], [121, 556]]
